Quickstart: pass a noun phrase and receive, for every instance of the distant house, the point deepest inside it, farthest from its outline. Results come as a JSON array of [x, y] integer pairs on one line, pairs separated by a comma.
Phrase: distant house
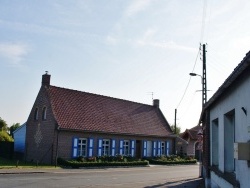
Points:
[[191, 136], [19, 141], [226, 121], [68, 123], [181, 146]]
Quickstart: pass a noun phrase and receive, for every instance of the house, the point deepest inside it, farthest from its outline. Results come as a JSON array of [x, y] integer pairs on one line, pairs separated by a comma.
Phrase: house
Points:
[[181, 146], [68, 123], [226, 122], [19, 141], [191, 136]]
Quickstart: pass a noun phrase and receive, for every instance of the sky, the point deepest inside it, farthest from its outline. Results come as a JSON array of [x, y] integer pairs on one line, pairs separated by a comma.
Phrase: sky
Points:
[[137, 50]]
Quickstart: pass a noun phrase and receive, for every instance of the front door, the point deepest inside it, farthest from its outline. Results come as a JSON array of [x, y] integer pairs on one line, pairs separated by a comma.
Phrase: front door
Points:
[[138, 149]]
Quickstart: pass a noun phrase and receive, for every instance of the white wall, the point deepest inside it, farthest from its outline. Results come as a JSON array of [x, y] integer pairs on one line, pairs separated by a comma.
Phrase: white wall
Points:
[[235, 100]]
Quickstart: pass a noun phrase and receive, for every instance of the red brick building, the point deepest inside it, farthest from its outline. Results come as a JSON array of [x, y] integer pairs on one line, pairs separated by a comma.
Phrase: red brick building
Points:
[[191, 136], [68, 123]]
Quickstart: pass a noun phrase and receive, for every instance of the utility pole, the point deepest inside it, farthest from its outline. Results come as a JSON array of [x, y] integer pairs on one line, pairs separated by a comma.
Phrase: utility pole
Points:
[[204, 76], [204, 100], [175, 115]]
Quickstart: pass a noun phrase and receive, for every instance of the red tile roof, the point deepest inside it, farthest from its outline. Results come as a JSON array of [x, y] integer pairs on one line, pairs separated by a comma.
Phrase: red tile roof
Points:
[[83, 111], [192, 133]]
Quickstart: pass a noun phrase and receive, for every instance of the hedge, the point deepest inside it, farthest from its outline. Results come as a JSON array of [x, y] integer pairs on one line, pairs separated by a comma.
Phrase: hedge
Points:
[[76, 164], [153, 161]]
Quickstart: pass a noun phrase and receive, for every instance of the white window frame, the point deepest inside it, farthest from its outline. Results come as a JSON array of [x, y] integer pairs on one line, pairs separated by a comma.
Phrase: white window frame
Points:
[[106, 147], [126, 147], [82, 147]]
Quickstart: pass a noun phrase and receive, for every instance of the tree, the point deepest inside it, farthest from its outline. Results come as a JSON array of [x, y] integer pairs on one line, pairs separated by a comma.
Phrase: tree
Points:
[[4, 136], [178, 129], [13, 128], [3, 125]]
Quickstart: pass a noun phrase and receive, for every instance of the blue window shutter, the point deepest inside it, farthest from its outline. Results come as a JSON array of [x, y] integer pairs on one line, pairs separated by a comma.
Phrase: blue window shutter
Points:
[[144, 148], [121, 147], [159, 148], [74, 147], [167, 148], [154, 148], [132, 148], [112, 147], [90, 147], [99, 148]]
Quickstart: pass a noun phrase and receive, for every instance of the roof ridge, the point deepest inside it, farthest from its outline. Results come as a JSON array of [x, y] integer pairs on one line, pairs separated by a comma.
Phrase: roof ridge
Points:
[[105, 96]]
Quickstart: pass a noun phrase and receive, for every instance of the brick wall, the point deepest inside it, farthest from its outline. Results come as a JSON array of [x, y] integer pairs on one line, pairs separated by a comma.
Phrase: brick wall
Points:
[[40, 134], [44, 142]]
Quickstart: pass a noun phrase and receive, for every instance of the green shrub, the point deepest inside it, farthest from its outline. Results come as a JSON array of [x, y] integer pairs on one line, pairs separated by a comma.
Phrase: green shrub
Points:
[[171, 159], [77, 164]]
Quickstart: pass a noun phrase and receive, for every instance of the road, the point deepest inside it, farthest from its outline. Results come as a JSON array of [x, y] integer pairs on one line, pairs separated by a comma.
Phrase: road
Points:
[[148, 177]]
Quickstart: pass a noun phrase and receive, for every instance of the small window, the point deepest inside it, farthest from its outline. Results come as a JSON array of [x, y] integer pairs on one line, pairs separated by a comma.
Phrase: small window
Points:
[[126, 147], [162, 148], [106, 147], [82, 147], [36, 114], [44, 115]]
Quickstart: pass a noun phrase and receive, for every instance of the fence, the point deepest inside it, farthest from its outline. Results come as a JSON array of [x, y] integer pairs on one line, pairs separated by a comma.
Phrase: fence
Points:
[[6, 149]]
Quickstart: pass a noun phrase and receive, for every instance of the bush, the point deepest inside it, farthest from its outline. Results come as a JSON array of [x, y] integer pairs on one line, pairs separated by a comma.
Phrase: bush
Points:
[[77, 164], [172, 159]]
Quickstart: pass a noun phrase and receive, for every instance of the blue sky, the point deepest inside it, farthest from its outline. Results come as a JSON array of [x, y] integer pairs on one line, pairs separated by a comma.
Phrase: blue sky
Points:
[[123, 49]]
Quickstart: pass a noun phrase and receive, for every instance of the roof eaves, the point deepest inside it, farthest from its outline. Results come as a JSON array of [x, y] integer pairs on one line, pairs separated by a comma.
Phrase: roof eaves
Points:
[[115, 133]]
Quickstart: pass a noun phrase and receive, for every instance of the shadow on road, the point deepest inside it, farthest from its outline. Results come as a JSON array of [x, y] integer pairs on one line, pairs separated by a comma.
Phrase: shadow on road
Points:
[[188, 183]]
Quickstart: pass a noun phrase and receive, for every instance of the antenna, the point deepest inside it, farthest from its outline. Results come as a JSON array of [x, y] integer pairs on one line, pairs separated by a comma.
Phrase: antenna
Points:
[[152, 94]]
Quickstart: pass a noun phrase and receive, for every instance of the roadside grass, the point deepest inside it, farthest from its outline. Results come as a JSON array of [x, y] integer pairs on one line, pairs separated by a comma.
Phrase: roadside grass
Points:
[[11, 163]]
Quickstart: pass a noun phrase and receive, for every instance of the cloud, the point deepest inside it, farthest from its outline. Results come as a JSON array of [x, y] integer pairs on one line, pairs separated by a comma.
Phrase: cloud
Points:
[[136, 6], [13, 53]]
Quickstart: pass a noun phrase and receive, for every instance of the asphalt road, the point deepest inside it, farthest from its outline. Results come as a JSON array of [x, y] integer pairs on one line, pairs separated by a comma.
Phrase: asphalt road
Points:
[[148, 177]]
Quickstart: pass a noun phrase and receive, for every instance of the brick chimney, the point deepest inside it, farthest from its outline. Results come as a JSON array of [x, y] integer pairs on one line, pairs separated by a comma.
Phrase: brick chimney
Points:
[[156, 103], [46, 79]]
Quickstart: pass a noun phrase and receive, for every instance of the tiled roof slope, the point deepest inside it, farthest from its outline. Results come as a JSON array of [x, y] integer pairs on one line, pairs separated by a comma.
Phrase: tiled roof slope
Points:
[[83, 111], [192, 132]]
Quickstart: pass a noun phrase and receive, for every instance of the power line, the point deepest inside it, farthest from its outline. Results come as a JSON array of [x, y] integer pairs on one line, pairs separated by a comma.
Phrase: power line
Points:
[[203, 20], [189, 79]]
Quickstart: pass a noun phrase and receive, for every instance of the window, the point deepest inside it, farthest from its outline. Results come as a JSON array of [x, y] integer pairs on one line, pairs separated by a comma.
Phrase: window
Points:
[[229, 126], [149, 148], [82, 147], [162, 148], [215, 142], [106, 147], [44, 115], [36, 114], [126, 147]]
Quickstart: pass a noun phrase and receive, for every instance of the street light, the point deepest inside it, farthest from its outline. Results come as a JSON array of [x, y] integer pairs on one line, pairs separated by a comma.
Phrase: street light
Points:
[[204, 87], [194, 74]]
